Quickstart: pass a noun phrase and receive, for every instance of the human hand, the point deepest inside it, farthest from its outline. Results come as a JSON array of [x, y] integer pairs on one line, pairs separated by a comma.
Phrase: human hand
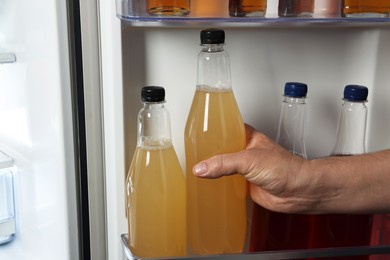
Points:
[[270, 169]]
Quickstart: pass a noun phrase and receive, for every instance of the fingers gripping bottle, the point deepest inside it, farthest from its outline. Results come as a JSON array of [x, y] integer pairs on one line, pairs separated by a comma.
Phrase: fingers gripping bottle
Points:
[[155, 185], [216, 209]]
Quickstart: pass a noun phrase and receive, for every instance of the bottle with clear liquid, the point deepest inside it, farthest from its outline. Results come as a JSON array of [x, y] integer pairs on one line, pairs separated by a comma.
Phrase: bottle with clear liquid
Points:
[[286, 231], [344, 230], [216, 209], [155, 185]]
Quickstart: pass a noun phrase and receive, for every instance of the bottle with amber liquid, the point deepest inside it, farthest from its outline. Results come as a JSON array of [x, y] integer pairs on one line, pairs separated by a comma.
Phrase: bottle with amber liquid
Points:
[[155, 185], [285, 231], [366, 8], [168, 7], [296, 8], [242, 8], [210, 9], [216, 209], [345, 230]]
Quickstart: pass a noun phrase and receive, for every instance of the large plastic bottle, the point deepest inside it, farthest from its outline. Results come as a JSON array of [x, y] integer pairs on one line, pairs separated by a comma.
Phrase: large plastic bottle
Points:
[[345, 230], [279, 231], [155, 184], [216, 209]]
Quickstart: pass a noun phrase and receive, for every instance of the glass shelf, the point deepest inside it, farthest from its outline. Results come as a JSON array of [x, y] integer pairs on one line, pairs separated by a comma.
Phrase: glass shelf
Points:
[[188, 21], [296, 254], [7, 57]]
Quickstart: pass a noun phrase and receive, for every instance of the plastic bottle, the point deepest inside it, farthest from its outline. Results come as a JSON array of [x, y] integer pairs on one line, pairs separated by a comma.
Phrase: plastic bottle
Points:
[[327, 8], [344, 230], [291, 130], [366, 8], [216, 209], [249, 8], [285, 231], [296, 8], [168, 7], [155, 185], [210, 9]]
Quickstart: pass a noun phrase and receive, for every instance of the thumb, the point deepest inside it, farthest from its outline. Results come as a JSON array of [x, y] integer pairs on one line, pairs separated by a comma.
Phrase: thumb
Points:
[[220, 165]]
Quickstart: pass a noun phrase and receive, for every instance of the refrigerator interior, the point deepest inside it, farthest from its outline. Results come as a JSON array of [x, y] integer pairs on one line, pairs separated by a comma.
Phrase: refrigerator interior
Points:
[[37, 129], [262, 60]]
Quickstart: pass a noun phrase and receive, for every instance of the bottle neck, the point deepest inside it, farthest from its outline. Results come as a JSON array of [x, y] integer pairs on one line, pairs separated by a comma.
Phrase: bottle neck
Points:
[[292, 121], [214, 67], [154, 129], [351, 130]]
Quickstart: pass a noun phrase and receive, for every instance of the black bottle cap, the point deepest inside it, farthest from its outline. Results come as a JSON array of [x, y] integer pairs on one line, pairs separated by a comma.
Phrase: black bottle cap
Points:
[[153, 94], [355, 93], [212, 36], [295, 89]]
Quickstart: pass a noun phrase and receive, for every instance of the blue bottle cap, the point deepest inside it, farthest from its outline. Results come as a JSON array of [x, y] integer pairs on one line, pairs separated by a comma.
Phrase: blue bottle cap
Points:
[[295, 89], [355, 93]]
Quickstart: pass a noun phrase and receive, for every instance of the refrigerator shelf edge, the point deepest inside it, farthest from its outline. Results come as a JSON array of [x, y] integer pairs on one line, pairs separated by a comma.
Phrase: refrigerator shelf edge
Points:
[[187, 21], [304, 253]]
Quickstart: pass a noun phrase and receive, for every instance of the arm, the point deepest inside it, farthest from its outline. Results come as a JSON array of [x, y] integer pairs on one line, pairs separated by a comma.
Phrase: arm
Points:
[[281, 181]]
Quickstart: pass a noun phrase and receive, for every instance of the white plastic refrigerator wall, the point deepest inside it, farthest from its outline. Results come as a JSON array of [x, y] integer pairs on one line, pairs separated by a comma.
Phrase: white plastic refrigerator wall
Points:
[[36, 129], [263, 59]]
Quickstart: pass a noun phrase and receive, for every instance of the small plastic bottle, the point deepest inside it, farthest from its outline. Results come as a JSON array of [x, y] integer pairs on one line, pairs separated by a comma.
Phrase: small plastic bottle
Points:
[[291, 130], [327, 8], [210, 9], [168, 7], [366, 8], [296, 8], [286, 231], [344, 230], [155, 185], [250, 8]]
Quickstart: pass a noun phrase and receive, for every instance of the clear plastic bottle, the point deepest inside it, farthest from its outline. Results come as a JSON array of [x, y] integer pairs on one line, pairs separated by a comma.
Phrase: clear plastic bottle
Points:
[[344, 230], [351, 133], [216, 209], [291, 130], [155, 185], [286, 231]]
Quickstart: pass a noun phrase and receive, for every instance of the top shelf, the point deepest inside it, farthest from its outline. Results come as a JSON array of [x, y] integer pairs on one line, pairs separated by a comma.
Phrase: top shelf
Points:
[[203, 13], [159, 21]]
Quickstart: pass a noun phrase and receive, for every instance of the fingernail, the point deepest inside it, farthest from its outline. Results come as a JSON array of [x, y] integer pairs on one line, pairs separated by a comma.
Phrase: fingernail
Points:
[[200, 169]]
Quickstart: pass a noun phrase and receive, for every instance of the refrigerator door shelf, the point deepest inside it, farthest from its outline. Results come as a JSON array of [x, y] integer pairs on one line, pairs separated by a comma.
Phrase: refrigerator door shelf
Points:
[[7, 57], [7, 230], [294, 254], [7, 205], [134, 12]]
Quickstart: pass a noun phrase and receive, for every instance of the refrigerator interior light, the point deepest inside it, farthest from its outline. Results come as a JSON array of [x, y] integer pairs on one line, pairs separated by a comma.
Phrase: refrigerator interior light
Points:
[[7, 206]]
